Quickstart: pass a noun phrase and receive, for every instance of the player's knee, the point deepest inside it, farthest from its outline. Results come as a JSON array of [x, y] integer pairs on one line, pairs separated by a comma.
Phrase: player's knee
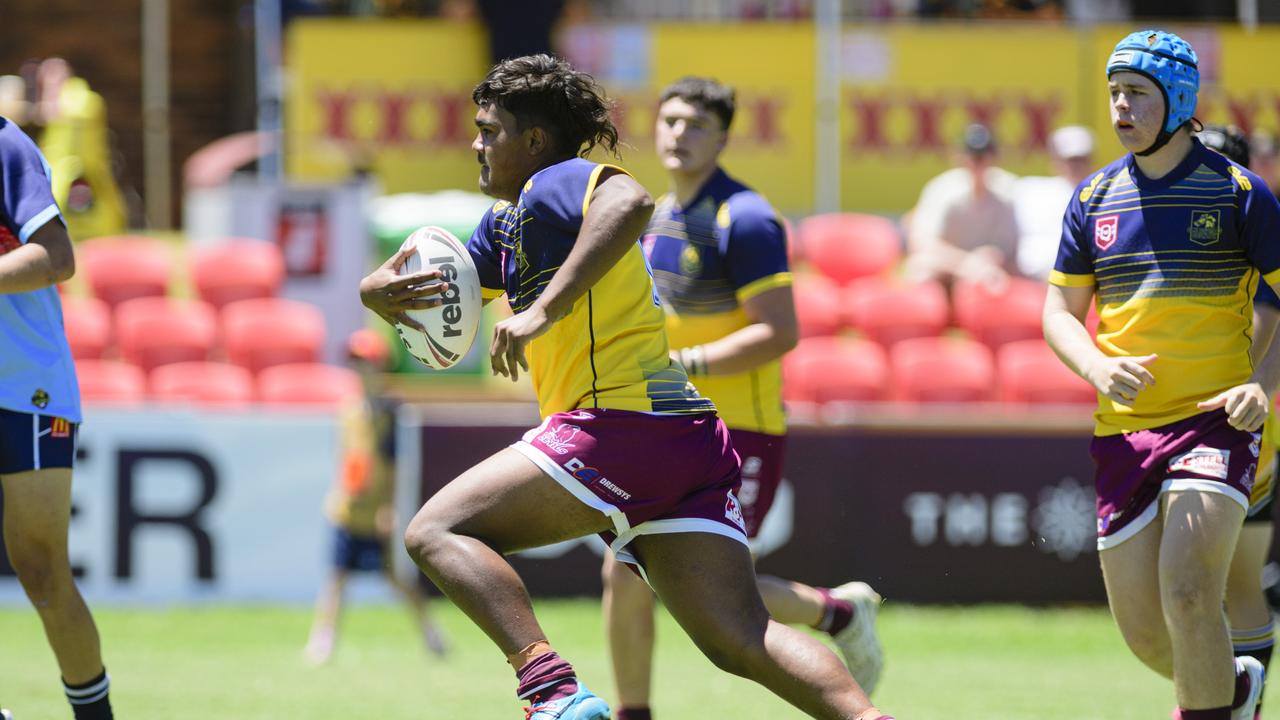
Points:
[[1189, 598], [423, 539], [41, 577], [1150, 645]]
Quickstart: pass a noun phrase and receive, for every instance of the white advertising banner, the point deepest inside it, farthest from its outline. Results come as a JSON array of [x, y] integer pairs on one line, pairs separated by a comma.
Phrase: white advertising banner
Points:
[[175, 506]]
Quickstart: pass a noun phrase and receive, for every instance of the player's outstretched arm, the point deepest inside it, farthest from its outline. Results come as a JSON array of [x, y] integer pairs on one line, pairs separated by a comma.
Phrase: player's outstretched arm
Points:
[[617, 215], [1118, 378], [45, 259], [390, 294]]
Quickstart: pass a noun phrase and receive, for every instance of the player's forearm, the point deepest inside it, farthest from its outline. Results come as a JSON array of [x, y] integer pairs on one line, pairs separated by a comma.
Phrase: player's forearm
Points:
[[743, 350], [1266, 369], [1070, 340], [32, 267], [609, 231]]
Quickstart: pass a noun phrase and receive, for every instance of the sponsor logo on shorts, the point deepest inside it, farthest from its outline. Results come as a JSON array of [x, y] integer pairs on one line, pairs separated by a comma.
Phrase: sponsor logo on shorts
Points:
[[590, 475], [733, 511], [1105, 523], [1255, 446], [1210, 462], [1250, 474], [1105, 230], [559, 438], [60, 428]]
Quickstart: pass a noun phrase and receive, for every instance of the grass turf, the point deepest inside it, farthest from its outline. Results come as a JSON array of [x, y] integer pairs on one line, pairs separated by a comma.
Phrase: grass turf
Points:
[[995, 663]]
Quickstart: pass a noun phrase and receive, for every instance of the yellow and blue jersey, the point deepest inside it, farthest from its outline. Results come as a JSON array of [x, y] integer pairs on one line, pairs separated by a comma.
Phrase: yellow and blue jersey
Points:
[[1174, 264], [709, 257], [610, 351]]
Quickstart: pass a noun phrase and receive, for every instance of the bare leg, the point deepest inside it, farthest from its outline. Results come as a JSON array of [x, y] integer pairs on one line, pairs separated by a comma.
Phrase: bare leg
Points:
[[708, 584], [501, 505], [790, 602], [629, 625], [1130, 570], [324, 629], [1246, 603], [432, 637], [37, 512], [1199, 538]]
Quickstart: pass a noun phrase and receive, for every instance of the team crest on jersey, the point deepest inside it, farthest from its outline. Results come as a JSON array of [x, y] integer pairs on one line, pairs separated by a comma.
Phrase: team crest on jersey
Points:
[[1205, 228], [690, 260], [559, 439], [1105, 230], [40, 398]]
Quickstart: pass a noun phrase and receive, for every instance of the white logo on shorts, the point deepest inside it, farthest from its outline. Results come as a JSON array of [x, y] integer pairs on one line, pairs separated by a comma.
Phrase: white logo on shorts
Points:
[[733, 511], [1210, 462], [559, 439]]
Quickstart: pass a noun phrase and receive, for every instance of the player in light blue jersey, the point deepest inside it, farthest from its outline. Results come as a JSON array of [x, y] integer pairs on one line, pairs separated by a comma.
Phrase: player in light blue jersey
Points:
[[39, 417]]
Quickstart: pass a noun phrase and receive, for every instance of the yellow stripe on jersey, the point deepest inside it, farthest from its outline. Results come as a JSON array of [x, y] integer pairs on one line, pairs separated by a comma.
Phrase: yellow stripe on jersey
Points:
[[1062, 279], [595, 180], [1272, 278], [752, 289]]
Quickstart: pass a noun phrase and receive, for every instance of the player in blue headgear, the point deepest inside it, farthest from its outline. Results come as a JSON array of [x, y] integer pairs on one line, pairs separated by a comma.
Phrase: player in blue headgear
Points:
[[1170, 242], [1167, 61]]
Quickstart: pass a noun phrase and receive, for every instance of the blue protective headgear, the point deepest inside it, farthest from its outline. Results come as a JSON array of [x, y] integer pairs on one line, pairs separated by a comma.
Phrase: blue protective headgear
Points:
[[1170, 63]]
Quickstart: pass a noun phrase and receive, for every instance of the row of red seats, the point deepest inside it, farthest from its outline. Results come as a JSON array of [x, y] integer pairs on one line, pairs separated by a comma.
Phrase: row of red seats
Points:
[[154, 331], [887, 310], [121, 268], [216, 384], [929, 369]]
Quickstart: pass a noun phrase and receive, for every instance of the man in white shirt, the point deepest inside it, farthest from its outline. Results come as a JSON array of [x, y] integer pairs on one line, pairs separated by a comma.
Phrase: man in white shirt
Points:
[[963, 226], [1040, 201]]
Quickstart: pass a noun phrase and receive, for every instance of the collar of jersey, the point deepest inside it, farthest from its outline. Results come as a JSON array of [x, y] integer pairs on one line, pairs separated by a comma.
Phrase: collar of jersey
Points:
[[1188, 165]]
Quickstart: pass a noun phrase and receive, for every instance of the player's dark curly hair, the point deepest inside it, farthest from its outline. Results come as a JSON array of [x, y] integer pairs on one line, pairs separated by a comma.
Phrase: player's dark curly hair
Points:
[[546, 92], [710, 95]]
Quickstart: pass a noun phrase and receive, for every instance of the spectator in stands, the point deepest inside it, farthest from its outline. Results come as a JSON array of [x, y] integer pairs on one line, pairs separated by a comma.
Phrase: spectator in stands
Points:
[[359, 506], [1265, 152], [1040, 201], [963, 226]]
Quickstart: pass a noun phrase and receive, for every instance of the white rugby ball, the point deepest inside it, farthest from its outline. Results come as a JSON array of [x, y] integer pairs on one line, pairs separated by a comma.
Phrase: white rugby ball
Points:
[[452, 325]]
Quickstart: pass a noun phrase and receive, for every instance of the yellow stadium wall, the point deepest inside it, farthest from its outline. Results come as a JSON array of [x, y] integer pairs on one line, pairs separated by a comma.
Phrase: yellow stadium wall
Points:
[[394, 97]]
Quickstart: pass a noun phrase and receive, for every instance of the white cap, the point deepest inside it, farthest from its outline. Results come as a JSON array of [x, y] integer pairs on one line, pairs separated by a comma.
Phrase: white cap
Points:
[[1072, 141]]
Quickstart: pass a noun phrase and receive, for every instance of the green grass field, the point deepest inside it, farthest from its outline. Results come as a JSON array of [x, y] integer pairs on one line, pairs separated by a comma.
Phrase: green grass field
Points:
[[994, 663]]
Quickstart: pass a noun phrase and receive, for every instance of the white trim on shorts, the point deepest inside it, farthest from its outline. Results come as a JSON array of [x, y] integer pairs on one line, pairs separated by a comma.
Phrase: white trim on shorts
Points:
[[672, 525], [572, 484], [1171, 485]]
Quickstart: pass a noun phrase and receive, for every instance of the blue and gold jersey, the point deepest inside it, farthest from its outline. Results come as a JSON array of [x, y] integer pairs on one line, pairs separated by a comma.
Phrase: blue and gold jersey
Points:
[[726, 246], [610, 350], [1174, 264]]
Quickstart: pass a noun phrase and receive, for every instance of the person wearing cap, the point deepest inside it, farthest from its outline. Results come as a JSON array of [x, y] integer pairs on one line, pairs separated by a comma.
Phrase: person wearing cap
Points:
[[963, 226], [1172, 240], [359, 505], [1039, 201]]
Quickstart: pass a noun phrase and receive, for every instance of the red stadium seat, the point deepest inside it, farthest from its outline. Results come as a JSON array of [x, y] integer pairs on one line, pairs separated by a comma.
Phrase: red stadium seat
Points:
[[1031, 373], [848, 246], [823, 369], [308, 384], [817, 302], [889, 311], [942, 369], [238, 269], [126, 267], [155, 331], [202, 383], [999, 318], [272, 331], [111, 382], [88, 324]]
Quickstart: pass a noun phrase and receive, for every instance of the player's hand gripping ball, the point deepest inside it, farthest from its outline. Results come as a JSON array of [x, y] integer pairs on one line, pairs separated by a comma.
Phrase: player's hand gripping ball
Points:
[[451, 325]]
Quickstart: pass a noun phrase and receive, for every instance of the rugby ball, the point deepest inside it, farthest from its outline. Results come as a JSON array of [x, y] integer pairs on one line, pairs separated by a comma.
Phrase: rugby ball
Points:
[[452, 325]]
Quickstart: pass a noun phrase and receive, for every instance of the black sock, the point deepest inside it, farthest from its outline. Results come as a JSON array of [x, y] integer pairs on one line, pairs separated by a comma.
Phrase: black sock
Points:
[[1255, 643], [90, 700]]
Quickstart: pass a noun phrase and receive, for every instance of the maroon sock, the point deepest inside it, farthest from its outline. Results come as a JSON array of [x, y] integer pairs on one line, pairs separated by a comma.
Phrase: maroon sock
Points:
[[836, 613], [1222, 713], [1242, 688], [546, 678], [633, 713]]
